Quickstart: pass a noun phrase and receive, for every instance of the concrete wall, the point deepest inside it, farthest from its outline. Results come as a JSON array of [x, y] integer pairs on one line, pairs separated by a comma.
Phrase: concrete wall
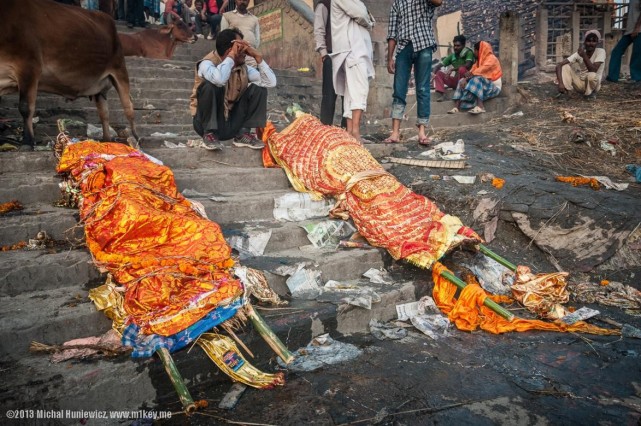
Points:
[[447, 27]]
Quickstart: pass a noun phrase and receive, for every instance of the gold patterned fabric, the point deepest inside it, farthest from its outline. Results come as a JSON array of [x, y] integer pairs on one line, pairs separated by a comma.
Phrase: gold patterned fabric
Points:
[[174, 264], [326, 161]]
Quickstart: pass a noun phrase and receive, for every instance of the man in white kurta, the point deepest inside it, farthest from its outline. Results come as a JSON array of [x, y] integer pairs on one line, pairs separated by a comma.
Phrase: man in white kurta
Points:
[[352, 58]]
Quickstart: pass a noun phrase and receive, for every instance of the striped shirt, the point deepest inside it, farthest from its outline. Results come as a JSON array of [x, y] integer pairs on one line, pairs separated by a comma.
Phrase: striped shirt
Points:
[[411, 21]]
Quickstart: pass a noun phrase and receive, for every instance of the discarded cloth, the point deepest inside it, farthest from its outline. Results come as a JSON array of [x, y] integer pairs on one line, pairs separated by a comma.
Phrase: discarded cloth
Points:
[[469, 313]]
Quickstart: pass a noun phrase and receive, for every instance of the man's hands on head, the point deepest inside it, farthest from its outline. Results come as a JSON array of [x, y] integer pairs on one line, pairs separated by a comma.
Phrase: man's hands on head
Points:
[[240, 48]]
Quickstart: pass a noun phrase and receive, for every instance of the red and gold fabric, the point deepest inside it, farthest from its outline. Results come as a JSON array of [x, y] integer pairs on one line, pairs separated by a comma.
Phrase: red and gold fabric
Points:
[[174, 264], [326, 161]]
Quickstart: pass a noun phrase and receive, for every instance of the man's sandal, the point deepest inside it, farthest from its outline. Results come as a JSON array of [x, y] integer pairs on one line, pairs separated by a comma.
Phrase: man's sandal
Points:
[[454, 111], [476, 110]]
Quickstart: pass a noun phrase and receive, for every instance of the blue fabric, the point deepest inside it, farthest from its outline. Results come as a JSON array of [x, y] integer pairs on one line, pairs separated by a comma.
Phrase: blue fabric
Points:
[[422, 63], [635, 170], [635, 60], [153, 6], [476, 88], [145, 345]]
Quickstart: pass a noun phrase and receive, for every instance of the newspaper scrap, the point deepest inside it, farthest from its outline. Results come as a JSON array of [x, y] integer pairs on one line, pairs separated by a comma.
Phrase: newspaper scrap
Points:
[[409, 310], [377, 276], [328, 232], [465, 179], [305, 284], [296, 207], [250, 243], [352, 294]]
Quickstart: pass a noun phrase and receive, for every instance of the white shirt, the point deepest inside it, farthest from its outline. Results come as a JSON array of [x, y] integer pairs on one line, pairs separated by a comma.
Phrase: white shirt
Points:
[[320, 19], [219, 75], [582, 70]]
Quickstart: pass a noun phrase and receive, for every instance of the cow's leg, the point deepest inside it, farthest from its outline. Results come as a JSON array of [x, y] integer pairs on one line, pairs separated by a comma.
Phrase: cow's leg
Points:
[[27, 107], [103, 113], [120, 80]]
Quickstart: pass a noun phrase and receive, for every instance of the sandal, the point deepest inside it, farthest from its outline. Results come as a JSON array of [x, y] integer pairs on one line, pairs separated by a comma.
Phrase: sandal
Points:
[[454, 111], [476, 110], [391, 140]]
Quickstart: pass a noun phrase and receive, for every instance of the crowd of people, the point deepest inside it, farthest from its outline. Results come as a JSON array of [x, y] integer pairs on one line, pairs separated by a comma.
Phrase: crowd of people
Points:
[[229, 97]]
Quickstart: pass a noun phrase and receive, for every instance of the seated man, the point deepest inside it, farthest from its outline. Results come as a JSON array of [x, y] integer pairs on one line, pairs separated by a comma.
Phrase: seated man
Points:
[[172, 12], [230, 95], [481, 83], [582, 71], [459, 62]]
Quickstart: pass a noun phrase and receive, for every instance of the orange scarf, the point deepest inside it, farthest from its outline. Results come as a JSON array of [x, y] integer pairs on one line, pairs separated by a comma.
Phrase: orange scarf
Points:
[[487, 65]]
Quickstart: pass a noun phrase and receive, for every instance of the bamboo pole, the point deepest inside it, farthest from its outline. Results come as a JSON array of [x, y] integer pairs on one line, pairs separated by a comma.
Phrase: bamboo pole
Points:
[[489, 253], [268, 335], [487, 302], [176, 379]]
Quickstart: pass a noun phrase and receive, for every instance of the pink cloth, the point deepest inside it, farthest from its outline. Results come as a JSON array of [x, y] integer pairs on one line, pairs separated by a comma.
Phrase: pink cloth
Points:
[[442, 80]]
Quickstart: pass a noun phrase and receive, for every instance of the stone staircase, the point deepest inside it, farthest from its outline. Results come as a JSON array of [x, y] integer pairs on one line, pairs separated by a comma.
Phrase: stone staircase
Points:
[[43, 293]]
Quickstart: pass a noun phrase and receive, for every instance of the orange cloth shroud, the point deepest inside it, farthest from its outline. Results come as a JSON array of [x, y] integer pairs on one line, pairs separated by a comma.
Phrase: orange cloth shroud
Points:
[[468, 312], [173, 263], [327, 161]]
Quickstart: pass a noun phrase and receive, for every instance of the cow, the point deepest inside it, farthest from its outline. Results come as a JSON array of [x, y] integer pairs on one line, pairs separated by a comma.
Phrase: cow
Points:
[[64, 50], [157, 43]]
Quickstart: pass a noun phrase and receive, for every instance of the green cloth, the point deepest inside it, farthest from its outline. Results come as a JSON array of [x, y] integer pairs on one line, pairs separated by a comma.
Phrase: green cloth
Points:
[[458, 61]]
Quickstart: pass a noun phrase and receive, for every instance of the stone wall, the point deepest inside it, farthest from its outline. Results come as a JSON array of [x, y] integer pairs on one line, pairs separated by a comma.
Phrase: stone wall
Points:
[[287, 34]]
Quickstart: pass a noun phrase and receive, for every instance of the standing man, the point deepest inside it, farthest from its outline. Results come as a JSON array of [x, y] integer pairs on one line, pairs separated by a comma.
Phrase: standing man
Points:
[[411, 37], [352, 58], [136, 13], [211, 12], [460, 62], [630, 37], [582, 71], [245, 21], [323, 39]]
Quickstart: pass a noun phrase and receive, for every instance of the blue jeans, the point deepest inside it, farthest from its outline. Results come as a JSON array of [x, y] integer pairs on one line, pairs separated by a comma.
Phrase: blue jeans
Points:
[[635, 60], [422, 62]]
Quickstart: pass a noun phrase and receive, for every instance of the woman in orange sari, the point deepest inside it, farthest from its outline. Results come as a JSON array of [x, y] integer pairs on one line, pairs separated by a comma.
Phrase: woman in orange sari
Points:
[[481, 83]]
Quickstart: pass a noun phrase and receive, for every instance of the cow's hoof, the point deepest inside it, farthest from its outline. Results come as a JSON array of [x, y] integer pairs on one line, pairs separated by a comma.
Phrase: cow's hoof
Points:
[[26, 148]]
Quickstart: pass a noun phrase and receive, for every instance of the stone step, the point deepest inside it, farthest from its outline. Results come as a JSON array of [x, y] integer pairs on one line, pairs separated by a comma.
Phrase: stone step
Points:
[[167, 100], [25, 271], [62, 225], [59, 223], [34, 383], [53, 316], [32, 187], [181, 158], [335, 265], [90, 115]]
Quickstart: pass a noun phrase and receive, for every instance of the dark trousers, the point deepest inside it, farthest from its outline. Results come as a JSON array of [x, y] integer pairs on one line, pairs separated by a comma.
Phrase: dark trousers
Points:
[[214, 23], [121, 10], [136, 12], [249, 111], [328, 102]]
